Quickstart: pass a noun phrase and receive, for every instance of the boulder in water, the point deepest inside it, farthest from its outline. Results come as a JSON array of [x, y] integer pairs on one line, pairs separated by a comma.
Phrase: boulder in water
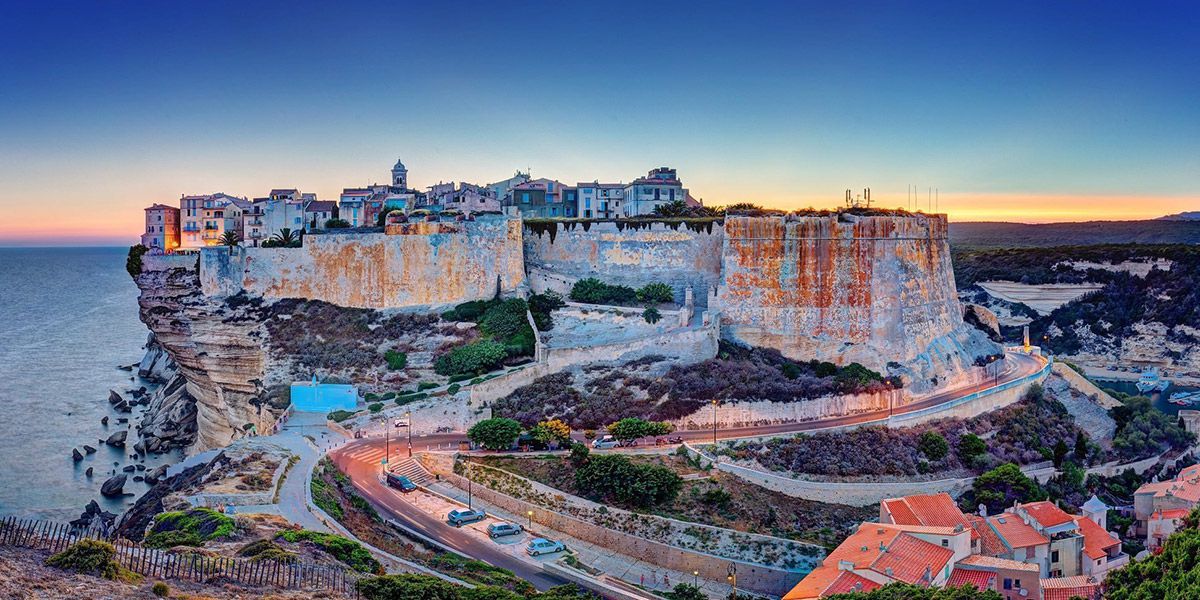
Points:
[[115, 486], [75, 455], [104, 420], [88, 472], [89, 449], [114, 397], [117, 439]]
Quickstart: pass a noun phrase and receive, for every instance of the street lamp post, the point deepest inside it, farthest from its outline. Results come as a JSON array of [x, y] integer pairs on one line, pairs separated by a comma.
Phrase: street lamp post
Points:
[[530, 515], [732, 577], [387, 448], [696, 578], [467, 466], [408, 418], [714, 405]]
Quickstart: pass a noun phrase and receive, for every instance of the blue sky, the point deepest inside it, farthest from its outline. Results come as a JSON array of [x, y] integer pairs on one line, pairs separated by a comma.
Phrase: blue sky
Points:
[[1014, 110]]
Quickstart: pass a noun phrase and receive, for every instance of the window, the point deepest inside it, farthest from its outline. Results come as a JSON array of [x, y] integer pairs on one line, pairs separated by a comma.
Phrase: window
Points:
[[1054, 556], [1029, 552], [1007, 583], [945, 543], [1017, 583], [525, 197]]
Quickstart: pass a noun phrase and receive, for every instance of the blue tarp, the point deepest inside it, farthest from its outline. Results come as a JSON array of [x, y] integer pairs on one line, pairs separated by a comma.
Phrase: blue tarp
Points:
[[323, 397]]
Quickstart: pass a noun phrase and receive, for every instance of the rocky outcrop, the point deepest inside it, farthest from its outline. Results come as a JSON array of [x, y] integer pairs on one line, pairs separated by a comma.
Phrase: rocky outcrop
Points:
[[983, 320], [157, 364], [115, 486], [133, 522], [117, 439], [218, 359]]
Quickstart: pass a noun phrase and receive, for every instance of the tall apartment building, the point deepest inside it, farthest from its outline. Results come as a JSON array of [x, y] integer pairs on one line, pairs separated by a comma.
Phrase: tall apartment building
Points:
[[600, 200], [162, 228], [658, 187], [205, 218]]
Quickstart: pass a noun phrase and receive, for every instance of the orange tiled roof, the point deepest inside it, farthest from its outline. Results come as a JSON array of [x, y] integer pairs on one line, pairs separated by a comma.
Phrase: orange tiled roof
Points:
[[982, 580], [1014, 532], [900, 512], [910, 558], [1096, 540], [1185, 486], [926, 509], [1065, 588], [1046, 513], [1172, 513], [992, 562], [862, 547], [989, 542], [849, 582]]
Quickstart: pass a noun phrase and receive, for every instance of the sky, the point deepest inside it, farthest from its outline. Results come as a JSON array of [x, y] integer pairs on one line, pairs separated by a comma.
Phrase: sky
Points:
[[1015, 111]]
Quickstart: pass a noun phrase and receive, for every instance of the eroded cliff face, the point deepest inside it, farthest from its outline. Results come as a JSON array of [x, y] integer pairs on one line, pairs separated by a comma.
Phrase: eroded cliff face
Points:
[[876, 290], [218, 383]]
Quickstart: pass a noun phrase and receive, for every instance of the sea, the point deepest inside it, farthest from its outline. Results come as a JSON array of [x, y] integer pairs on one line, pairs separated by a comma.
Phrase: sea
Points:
[[68, 321]]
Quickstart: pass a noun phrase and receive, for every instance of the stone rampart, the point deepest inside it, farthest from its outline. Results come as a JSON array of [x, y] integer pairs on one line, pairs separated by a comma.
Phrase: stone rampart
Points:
[[844, 288], [421, 264], [629, 254], [164, 262], [1085, 385]]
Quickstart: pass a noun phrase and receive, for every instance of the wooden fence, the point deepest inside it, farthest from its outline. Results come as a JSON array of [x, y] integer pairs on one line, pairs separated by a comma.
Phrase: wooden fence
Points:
[[163, 564]]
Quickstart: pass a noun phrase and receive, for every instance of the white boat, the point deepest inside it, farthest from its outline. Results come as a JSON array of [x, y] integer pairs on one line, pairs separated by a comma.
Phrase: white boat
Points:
[[1185, 398], [1152, 381]]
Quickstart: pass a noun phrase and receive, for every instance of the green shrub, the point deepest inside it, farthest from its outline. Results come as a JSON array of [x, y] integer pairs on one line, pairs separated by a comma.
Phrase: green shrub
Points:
[[495, 434], [92, 557], [473, 358], [651, 315], [468, 311], [133, 262], [395, 360], [453, 389], [461, 377], [347, 551], [541, 305], [336, 224], [160, 589], [409, 398], [192, 527], [594, 291], [615, 478], [506, 319], [324, 496], [426, 385], [655, 293], [375, 407], [338, 416], [933, 445]]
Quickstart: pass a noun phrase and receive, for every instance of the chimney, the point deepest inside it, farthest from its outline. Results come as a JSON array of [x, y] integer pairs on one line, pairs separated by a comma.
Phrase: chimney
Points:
[[928, 576], [983, 510]]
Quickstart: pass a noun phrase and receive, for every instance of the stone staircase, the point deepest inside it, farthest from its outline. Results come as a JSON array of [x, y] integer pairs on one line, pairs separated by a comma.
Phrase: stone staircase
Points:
[[410, 468]]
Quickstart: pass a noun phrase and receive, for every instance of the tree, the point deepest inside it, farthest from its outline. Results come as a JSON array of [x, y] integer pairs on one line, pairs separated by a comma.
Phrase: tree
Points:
[[552, 430], [904, 591], [631, 428], [1060, 453], [495, 434], [933, 445], [133, 262], [673, 209], [336, 224], [1081, 448], [615, 478], [472, 358], [970, 446], [686, 591], [651, 315], [230, 238], [284, 238], [579, 454], [1173, 573], [654, 293], [999, 488]]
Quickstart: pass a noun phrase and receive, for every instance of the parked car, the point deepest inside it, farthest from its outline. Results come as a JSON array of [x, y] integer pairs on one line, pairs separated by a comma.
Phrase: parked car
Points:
[[607, 441], [675, 440], [541, 546], [462, 516], [502, 529], [401, 483], [401, 422]]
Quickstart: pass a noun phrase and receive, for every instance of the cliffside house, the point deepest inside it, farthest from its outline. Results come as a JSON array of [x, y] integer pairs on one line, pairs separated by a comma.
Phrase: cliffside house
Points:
[[502, 190], [600, 200], [541, 198], [162, 228], [1032, 551], [1159, 507], [205, 218], [317, 213], [352, 206], [658, 187]]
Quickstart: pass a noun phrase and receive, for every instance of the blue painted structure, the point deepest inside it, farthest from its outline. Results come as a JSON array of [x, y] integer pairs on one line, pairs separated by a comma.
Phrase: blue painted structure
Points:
[[323, 397]]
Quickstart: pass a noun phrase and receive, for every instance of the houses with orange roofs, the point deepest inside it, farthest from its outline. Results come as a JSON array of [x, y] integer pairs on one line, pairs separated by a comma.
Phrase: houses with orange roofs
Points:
[[1159, 507]]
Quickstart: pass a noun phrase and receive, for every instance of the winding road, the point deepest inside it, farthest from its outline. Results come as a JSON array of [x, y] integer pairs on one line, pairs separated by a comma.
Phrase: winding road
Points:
[[361, 460]]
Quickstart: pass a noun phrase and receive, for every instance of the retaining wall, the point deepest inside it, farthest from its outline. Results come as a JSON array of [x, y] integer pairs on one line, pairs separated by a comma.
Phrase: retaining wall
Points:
[[1085, 386], [163, 262], [758, 578], [421, 264], [632, 256]]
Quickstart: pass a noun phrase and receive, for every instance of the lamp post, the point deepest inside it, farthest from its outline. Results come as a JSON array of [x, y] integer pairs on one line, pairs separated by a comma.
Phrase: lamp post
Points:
[[387, 448], [696, 578], [408, 418], [714, 405], [467, 469], [530, 515], [732, 577]]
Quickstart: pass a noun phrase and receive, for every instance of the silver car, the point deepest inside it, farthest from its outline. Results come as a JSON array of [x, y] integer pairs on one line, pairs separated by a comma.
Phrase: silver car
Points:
[[502, 529], [462, 516], [541, 546]]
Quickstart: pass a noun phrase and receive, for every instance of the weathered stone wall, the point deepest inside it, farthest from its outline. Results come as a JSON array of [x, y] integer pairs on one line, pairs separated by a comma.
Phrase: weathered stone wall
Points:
[[633, 256], [418, 264], [873, 290]]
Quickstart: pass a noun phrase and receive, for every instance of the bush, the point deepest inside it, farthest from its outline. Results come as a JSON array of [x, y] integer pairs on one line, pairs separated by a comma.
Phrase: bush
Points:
[[395, 360], [615, 478], [411, 397], [495, 434], [651, 315], [970, 446], [453, 388], [933, 445], [267, 550], [160, 589], [594, 291], [469, 311], [999, 488], [375, 407], [192, 527], [1143, 431], [579, 454], [92, 557], [541, 305], [631, 428], [336, 224], [338, 416], [656, 293], [133, 262], [426, 385], [347, 551], [478, 357], [506, 319]]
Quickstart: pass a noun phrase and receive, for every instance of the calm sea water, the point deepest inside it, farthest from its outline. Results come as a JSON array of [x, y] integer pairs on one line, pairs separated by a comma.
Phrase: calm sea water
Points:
[[68, 319]]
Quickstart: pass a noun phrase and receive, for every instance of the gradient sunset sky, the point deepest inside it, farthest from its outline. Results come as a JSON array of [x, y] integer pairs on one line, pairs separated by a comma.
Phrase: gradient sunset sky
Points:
[[1017, 111]]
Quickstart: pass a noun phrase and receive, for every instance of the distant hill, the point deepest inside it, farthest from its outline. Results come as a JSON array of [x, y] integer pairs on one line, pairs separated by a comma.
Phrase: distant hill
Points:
[[1193, 215], [1025, 235]]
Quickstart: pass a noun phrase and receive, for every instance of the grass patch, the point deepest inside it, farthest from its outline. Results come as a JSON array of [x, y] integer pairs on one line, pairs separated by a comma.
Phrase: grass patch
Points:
[[192, 527], [346, 551]]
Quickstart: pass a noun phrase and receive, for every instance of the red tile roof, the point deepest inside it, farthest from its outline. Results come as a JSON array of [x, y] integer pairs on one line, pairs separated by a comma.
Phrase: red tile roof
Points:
[[992, 562], [1014, 532], [1172, 513], [930, 509], [1065, 588], [989, 542], [1047, 514], [910, 559], [1096, 540], [849, 582], [982, 580]]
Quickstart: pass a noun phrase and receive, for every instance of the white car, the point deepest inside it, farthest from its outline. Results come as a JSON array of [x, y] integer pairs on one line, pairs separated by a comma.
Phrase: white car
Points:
[[541, 546], [607, 441], [401, 422]]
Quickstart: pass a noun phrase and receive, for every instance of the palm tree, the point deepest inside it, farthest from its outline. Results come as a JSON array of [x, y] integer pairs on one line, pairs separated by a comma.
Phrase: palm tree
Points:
[[674, 208], [286, 238], [230, 238]]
